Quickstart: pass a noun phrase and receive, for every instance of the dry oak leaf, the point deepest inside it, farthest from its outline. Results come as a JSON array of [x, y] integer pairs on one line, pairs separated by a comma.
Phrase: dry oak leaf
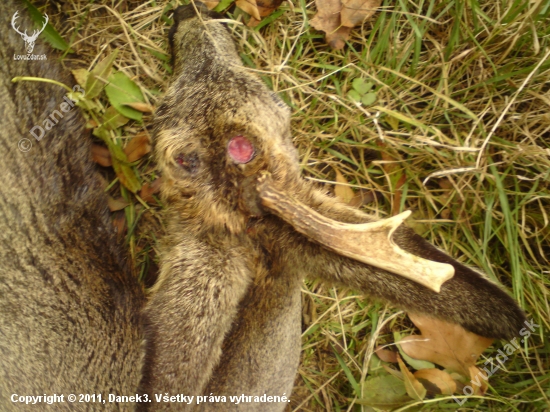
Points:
[[337, 17], [436, 381], [355, 12], [445, 344]]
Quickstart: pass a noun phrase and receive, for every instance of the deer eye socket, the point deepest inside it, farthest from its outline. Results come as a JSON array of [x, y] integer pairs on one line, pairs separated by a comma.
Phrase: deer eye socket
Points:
[[241, 150], [188, 161]]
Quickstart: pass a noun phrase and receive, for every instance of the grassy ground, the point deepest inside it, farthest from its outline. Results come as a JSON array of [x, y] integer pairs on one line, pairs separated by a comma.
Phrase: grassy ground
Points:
[[459, 132]]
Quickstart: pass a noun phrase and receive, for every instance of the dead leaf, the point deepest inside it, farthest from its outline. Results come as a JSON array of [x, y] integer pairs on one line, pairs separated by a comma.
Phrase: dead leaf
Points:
[[101, 155], [149, 189], [386, 355], [342, 191], [437, 379], [355, 12], [327, 19], [337, 17], [414, 388], [266, 7], [210, 4], [445, 344], [250, 7], [140, 107], [138, 147], [119, 222], [252, 22], [116, 204], [478, 381]]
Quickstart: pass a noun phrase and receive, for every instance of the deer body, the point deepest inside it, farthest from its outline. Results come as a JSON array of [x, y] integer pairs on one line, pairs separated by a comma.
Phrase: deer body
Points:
[[225, 314]]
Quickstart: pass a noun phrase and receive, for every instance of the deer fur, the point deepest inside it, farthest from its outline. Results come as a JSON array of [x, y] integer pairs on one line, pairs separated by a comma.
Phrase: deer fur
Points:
[[224, 317]]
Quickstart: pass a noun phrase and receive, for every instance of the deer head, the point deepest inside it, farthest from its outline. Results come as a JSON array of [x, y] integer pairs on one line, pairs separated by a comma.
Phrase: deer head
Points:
[[29, 40]]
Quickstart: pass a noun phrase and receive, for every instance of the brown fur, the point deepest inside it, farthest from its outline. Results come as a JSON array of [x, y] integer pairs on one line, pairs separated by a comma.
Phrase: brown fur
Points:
[[224, 316], [69, 308], [253, 345]]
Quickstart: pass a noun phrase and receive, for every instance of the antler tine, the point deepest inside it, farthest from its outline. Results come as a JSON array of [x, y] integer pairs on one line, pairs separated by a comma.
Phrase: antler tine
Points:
[[370, 243]]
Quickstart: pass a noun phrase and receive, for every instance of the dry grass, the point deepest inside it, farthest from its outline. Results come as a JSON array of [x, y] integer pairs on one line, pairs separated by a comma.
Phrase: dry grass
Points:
[[459, 133]]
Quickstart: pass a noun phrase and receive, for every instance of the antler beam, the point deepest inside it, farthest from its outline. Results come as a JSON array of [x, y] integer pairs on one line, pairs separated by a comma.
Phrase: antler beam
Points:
[[370, 243]]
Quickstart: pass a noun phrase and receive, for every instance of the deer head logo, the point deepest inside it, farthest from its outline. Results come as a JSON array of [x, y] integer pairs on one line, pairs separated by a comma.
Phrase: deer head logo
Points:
[[29, 40]]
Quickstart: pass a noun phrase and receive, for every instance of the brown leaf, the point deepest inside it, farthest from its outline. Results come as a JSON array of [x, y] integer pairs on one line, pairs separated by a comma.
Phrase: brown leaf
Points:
[[149, 189], [363, 197], [479, 376], [445, 344], [141, 107], [414, 388], [116, 204], [343, 192], [119, 222], [386, 355], [101, 155], [138, 147], [250, 7], [441, 380], [210, 4], [327, 19], [355, 12], [266, 7]]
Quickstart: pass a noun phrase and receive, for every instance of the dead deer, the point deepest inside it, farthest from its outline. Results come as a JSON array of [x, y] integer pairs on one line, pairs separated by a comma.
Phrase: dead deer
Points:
[[244, 229]]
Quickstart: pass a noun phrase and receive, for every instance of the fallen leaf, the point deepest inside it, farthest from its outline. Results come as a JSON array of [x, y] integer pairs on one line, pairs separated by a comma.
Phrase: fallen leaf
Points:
[[210, 4], [116, 204], [478, 380], [337, 17], [119, 222], [386, 355], [342, 191], [445, 344], [417, 364], [149, 189], [266, 7], [433, 378], [138, 147], [414, 388], [355, 12], [362, 197], [141, 107], [250, 7], [101, 155]]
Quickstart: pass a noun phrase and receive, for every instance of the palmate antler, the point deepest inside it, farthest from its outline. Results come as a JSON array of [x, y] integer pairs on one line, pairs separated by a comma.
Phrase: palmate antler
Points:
[[370, 243]]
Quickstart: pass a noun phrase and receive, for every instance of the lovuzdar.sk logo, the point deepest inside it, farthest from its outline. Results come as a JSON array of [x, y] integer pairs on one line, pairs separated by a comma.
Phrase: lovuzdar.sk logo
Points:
[[29, 40]]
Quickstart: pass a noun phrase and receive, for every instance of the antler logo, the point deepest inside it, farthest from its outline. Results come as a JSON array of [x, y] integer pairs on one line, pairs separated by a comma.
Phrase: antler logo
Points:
[[29, 40]]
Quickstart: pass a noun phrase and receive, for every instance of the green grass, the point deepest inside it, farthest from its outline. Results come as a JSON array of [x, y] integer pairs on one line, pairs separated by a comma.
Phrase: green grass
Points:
[[459, 133]]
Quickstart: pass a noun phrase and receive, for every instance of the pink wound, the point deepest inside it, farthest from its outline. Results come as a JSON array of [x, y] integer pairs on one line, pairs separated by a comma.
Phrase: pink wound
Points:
[[240, 149]]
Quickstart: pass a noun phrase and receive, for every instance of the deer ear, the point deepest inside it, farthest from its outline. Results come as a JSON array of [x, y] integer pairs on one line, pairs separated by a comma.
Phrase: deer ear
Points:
[[369, 243]]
